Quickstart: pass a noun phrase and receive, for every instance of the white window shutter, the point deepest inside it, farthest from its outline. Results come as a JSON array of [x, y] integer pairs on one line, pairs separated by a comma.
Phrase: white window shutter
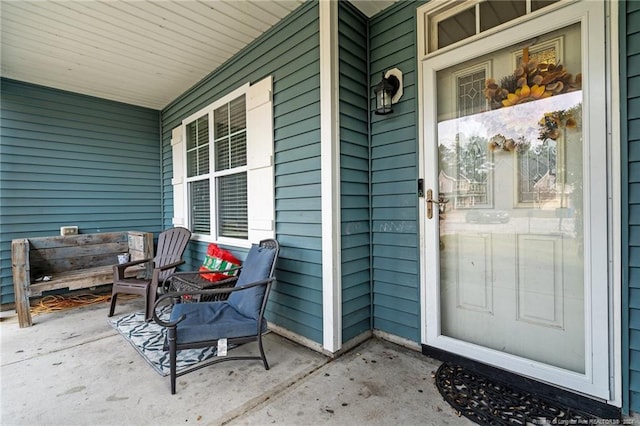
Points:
[[178, 181], [260, 176]]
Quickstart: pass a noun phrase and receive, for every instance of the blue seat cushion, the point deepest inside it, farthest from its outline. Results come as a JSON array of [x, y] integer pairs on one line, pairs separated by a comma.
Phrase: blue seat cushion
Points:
[[211, 321], [256, 267]]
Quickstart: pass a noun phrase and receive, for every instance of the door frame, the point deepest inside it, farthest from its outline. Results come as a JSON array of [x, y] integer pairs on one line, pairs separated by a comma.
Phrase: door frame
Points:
[[613, 196]]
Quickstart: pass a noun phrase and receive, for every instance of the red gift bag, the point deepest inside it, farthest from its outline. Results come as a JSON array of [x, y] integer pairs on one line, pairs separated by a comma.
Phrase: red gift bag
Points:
[[217, 261]]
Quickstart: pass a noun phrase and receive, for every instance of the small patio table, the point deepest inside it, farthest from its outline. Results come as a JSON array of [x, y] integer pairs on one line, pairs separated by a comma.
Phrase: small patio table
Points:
[[195, 282]]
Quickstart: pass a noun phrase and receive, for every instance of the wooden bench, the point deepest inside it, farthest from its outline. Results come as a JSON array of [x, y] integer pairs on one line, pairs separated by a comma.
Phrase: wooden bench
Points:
[[44, 264]]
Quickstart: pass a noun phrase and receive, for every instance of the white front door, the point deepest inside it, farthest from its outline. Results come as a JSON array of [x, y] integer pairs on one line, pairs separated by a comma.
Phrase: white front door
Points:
[[514, 143]]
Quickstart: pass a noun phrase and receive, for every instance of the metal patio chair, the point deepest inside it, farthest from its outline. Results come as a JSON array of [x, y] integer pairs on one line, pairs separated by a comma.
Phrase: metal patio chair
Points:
[[238, 319]]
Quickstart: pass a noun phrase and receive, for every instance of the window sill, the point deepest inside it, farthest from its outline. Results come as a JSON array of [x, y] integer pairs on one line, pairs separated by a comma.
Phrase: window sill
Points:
[[232, 242]]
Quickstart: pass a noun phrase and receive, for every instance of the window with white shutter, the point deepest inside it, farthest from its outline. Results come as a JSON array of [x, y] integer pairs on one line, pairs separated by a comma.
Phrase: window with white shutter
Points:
[[223, 168]]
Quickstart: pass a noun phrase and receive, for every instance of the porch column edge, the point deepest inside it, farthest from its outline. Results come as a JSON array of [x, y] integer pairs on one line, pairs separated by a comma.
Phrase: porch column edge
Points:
[[330, 177]]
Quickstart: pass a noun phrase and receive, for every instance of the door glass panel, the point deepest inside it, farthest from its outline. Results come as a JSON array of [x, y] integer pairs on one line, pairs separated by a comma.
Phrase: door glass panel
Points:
[[470, 85], [511, 233]]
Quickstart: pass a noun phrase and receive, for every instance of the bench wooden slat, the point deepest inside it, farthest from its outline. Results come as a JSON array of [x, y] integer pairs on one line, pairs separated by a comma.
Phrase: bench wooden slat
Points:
[[47, 254], [82, 278], [73, 262], [77, 240]]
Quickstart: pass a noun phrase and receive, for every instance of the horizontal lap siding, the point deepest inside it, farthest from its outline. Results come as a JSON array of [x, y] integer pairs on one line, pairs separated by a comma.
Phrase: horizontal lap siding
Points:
[[69, 159], [630, 65], [354, 173], [290, 53], [394, 173]]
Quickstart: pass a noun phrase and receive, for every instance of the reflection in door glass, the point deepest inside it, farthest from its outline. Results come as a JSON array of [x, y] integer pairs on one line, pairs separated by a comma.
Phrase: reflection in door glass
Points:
[[511, 238]]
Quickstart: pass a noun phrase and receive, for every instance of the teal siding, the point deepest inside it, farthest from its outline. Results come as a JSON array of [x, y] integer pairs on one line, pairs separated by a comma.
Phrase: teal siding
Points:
[[68, 159], [630, 86], [290, 53], [354, 172], [394, 164]]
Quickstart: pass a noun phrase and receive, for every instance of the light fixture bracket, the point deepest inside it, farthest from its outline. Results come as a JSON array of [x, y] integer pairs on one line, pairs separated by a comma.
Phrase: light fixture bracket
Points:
[[388, 91], [395, 72]]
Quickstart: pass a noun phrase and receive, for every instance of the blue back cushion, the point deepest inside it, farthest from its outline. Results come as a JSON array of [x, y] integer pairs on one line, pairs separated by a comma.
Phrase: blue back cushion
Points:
[[256, 267]]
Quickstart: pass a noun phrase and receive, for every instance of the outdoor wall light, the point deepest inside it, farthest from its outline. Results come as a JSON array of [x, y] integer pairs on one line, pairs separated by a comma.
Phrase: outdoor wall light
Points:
[[388, 91]]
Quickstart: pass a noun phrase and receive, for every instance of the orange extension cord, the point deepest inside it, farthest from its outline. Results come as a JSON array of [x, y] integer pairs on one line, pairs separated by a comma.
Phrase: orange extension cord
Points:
[[57, 303]]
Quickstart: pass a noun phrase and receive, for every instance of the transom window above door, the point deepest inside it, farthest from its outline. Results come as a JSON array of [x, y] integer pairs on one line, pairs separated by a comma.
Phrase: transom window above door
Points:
[[451, 22]]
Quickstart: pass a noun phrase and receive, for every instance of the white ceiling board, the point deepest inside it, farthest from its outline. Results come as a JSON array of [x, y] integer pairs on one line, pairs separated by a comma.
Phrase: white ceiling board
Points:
[[144, 53]]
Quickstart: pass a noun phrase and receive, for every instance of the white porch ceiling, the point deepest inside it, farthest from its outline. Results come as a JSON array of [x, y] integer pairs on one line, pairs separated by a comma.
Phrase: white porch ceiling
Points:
[[143, 53]]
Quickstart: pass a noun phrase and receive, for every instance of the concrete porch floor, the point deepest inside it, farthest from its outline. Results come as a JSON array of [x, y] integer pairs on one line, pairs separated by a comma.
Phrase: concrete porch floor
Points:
[[73, 368]]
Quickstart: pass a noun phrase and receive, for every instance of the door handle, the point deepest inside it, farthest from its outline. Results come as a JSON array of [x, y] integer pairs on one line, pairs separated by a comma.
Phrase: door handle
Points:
[[430, 202]]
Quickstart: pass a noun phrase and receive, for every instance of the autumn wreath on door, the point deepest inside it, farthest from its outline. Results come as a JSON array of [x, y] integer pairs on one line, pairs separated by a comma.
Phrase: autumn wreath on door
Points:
[[532, 81], [529, 82]]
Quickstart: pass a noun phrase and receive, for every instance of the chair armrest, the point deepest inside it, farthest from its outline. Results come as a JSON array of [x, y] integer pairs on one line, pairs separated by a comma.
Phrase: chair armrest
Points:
[[211, 291], [157, 270], [160, 322], [118, 270], [253, 284]]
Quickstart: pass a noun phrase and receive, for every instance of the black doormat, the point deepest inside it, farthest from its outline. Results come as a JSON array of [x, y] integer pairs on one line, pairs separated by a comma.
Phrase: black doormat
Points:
[[489, 402]]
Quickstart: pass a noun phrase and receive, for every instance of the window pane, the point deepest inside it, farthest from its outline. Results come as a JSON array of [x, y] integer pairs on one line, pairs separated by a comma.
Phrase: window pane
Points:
[[537, 168], [471, 93], [539, 4], [547, 55], [200, 207], [221, 121], [222, 154], [238, 115], [494, 13], [238, 150], [456, 28], [231, 152], [198, 161], [198, 147], [192, 134], [231, 135], [232, 206]]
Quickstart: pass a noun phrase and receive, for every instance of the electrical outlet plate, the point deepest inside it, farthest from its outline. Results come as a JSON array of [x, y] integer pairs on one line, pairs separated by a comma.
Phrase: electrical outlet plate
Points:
[[68, 230]]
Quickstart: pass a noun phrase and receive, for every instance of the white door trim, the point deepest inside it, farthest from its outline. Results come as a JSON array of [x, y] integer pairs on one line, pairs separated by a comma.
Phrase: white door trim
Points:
[[614, 141], [594, 383]]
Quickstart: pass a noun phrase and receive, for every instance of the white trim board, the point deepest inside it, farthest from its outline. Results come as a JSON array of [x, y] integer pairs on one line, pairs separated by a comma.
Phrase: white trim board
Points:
[[330, 178]]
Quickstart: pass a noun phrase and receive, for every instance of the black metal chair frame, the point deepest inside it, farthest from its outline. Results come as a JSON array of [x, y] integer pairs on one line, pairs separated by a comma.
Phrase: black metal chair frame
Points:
[[217, 294]]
